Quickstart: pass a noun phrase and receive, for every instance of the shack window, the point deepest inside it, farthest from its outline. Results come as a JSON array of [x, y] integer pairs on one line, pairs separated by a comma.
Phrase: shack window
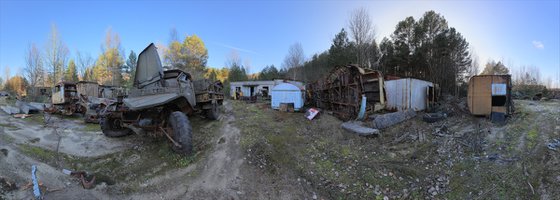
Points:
[[498, 100]]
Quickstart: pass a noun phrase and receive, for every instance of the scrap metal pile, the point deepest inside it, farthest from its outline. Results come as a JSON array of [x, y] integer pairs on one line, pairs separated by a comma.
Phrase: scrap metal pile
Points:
[[86, 98], [349, 89]]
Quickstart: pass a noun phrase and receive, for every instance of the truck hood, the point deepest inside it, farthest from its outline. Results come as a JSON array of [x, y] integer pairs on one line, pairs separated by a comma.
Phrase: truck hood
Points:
[[143, 102], [148, 67]]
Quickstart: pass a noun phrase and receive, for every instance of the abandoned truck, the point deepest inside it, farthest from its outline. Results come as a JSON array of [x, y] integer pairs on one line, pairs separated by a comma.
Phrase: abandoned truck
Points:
[[65, 99], [160, 102]]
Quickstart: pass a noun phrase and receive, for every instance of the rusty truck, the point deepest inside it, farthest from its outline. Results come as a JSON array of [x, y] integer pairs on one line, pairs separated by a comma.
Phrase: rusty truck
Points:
[[160, 102]]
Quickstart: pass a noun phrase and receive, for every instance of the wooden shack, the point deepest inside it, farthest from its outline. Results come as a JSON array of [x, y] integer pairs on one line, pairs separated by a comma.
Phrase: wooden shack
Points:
[[88, 88], [490, 95], [39, 91]]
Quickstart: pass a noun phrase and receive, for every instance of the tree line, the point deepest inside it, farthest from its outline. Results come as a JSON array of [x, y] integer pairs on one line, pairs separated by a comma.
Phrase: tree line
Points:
[[47, 66], [426, 48]]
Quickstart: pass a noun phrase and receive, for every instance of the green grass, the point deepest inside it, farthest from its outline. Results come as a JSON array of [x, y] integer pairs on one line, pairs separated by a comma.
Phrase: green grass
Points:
[[290, 142], [90, 127], [39, 153], [35, 118], [10, 126], [6, 138], [531, 138]]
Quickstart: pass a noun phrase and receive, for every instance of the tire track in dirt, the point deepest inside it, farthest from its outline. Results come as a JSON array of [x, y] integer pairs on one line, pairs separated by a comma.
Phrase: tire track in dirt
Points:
[[226, 175], [220, 175]]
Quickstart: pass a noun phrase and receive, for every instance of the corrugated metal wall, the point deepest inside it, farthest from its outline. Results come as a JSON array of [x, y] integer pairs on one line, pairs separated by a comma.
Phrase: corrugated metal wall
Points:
[[287, 93], [406, 93]]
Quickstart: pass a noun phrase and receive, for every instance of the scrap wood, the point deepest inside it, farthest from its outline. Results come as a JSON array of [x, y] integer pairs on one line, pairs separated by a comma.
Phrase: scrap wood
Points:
[[29, 185], [531, 186], [401, 138], [6, 184], [22, 116], [54, 190], [464, 143]]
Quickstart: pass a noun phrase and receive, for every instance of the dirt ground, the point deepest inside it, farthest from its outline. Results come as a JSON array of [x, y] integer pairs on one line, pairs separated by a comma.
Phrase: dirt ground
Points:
[[460, 157], [136, 166], [254, 152]]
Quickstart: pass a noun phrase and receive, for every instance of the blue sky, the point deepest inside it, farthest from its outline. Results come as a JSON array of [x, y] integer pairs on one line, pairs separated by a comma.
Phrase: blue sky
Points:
[[516, 32]]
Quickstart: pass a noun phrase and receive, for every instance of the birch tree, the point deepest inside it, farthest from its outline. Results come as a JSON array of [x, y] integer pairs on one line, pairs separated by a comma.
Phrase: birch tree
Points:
[[363, 33], [56, 55], [33, 70], [294, 60]]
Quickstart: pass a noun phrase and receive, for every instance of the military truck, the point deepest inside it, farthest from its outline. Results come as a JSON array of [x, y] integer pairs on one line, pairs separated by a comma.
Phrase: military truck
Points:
[[65, 99], [160, 101]]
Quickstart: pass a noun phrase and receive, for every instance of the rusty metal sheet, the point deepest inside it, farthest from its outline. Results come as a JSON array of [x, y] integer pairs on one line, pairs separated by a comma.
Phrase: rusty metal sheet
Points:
[[341, 91]]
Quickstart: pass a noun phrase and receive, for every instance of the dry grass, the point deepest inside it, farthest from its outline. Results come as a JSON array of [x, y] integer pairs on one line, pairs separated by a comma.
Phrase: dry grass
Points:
[[346, 166]]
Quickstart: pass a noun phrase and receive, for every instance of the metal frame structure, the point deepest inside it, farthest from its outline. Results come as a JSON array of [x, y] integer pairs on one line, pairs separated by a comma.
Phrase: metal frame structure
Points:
[[341, 91]]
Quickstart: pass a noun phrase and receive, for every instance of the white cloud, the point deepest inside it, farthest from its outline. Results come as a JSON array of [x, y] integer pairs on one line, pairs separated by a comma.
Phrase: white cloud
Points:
[[538, 44], [236, 48]]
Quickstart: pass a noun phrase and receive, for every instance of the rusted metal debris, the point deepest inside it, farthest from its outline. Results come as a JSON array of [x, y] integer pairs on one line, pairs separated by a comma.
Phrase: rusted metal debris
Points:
[[341, 91], [83, 176], [87, 184]]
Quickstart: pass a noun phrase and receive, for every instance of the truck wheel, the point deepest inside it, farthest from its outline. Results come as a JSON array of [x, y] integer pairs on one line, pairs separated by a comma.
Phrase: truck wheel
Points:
[[213, 113], [111, 128], [182, 132]]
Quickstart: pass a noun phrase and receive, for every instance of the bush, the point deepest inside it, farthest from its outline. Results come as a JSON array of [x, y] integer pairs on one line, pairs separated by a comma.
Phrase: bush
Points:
[[529, 91]]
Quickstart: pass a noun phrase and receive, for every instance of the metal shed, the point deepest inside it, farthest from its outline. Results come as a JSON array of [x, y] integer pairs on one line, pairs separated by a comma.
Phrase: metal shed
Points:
[[250, 88], [489, 94], [287, 93], [407, 93]]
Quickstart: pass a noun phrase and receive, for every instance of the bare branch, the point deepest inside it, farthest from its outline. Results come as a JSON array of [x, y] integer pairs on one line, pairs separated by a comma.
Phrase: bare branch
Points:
[[33, 66], [363, 33], [294, 59]]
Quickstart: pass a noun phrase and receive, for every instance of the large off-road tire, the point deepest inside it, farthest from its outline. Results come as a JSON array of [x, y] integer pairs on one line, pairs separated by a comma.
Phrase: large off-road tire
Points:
[[111, 128], [214, 112], [182, 132]]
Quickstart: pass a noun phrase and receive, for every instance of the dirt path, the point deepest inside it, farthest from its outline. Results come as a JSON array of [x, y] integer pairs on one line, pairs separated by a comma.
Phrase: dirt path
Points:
[[220, 176], [223, 173]]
